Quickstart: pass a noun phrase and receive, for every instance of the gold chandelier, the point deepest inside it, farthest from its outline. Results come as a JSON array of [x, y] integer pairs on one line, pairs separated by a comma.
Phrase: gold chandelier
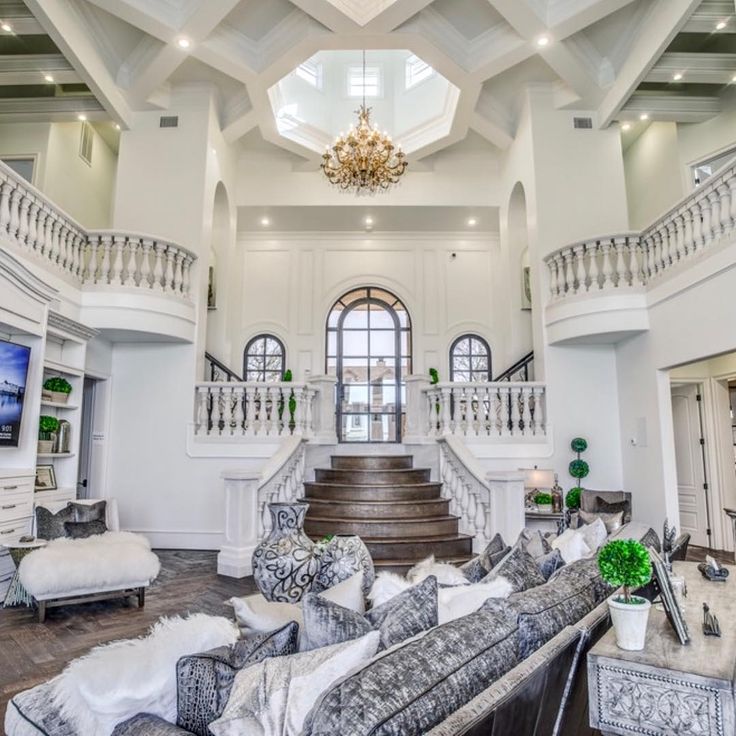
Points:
[[364, 160]]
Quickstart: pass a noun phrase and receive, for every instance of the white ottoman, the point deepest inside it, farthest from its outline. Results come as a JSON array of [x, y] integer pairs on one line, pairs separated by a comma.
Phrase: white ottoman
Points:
[[110, 565]]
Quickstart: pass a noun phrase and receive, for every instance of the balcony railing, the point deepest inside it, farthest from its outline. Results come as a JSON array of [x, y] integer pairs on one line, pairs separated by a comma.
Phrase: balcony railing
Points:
[[631, 261], [95, 259]]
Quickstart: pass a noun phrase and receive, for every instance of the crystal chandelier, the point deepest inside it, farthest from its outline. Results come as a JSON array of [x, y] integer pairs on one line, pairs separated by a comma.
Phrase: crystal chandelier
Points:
[[364, 160]]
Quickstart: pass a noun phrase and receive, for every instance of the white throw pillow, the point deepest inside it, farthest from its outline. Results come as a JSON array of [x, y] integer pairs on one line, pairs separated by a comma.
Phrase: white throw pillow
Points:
[[572, 546], [445, 573], [273, 697], [594, 534], [456, 602], [116, 681], [386, 586], [255, 613]]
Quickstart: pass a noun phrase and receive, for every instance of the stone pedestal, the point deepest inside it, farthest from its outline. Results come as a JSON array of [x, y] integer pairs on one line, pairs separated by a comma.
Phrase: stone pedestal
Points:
[[507, 502], [241, 523], [324, 410], [417, 411]]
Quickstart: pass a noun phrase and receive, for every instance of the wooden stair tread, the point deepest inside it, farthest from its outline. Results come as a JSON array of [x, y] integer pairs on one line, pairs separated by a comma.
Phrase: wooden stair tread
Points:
[[402, 520], [411, 562], [331, 484], [418, 540], [392, 502]]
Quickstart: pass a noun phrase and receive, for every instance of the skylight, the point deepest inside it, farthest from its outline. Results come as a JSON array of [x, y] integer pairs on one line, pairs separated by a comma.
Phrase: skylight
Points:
[[416, 71], [356, 85], [311, 72]]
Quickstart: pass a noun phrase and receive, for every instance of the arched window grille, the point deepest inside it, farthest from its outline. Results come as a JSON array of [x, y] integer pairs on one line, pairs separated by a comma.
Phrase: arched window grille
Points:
[[470, 359], [264, 359]]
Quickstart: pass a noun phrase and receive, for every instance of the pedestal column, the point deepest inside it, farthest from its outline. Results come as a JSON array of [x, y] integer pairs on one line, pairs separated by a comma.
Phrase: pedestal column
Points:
[[507, 503], [241, 523], [324, 410]]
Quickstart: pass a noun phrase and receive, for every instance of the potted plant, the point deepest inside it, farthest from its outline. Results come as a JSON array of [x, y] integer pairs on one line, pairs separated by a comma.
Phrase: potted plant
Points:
[[47, 426], [543, 502], [57, 389], [625, 563], [572, 499]]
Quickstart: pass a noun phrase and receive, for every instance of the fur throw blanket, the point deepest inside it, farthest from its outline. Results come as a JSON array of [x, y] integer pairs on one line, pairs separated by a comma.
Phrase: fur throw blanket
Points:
[[116, 681], [100, 562]]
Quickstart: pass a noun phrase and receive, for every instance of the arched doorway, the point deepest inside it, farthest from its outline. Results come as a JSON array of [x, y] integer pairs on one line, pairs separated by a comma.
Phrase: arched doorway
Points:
[[369, 352]]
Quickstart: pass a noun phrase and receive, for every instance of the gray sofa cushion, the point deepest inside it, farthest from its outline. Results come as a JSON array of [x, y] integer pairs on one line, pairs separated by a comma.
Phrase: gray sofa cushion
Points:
[[84, 529], [145, 724], [403, 616], [410, 688], [204, 680], [519, 568], [50, 525], [36, 707]]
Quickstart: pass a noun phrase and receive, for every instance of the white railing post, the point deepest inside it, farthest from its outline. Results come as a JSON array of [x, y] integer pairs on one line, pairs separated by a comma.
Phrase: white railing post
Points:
[[324, 409], [241, 523], [417, 409]]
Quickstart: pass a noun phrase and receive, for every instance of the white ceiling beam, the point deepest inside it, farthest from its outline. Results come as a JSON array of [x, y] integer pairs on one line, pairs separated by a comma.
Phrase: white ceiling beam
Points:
[[64, 23], [138, 17], [395, 14], [521, 16], [328, 14], [54, 109], [708, 14], [695, 68], [28, 69], [20, 19], [670, 107], [660, 26], [492, 132], [565, 19], [240, 125]]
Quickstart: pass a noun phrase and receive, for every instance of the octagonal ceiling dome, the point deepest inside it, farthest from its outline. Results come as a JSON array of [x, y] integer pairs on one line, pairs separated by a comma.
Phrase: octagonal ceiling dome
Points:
[[408, 99]]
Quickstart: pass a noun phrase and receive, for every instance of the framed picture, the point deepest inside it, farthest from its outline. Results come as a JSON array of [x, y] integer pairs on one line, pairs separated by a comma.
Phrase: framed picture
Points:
[[526, 287], [211, 290], [669, 600], [45, 478]]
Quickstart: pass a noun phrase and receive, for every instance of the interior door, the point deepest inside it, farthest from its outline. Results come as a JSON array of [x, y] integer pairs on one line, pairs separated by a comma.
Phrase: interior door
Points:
[[691, 478]]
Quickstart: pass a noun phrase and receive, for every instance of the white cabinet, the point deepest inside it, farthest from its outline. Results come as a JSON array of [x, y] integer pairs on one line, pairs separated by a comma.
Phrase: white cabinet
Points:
[[16, 515]]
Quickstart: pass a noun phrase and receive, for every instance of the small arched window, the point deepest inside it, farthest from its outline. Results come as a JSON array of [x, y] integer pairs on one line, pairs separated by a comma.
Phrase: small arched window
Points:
[[264, 359], [470, 359]]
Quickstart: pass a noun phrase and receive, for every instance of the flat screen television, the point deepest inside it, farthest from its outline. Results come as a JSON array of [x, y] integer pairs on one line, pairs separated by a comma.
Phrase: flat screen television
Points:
[[14, 360]]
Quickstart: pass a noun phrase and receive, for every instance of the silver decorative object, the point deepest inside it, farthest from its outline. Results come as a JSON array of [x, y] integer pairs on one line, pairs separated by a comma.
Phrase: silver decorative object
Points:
[[285, 563], [342, 557]]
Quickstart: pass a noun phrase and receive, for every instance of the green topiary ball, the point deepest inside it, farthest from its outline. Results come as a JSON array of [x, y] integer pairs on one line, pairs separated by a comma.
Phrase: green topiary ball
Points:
[[625, 562], [572, 499], [578, 469], [579, 445]]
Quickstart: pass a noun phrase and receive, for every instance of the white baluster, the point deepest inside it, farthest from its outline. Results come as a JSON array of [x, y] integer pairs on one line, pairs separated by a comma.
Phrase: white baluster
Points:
[[169, 274], [116, 278], [687, 236], [505, 410], [228, 398], [560, 268], [202, 418], [41, 242], [300, 395], [580, 275], [25, 204], [732, 191], [5, 191], [63, 246], [526, 415], [187, 277], [14, 214], [515, 393], [707, 228], [621, 277], [32, 237], [239, 418], [106, 265], [680, 237], [131, 271], [715, 213], [446, 423], [145, 279], [607, 269], [158, 267], [262, 427], [540, 397], [178, 273], [698, 238], [569, 272], [724, 207], [55, 245], [250, 412]]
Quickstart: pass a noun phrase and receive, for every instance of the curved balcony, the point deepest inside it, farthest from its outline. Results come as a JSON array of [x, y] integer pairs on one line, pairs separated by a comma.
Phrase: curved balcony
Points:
[[126, 281], [600, 289]]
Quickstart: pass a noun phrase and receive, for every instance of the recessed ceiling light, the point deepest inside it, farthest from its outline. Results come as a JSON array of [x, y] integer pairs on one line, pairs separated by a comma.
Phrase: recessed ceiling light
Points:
[[117, 126], [6, 27], [265, 221], [677, 77], [625, 126], [472, 222], [48, 77], [368, 221], [543, 41], [644, 116], [81, 117], [719, 26], [183, 43], [733, 78]]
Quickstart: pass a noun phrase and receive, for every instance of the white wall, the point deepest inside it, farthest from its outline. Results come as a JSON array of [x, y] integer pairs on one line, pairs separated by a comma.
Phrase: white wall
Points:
[[27, 139]]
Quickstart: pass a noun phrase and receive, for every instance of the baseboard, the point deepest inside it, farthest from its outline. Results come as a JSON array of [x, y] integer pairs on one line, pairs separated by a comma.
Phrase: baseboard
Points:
[[167, 539]]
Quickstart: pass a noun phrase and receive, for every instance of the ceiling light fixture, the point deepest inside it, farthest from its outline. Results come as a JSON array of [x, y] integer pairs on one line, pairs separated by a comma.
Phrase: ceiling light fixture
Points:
[[364, 159], [117, 126], [733, 78], [625, 126], [183, 43], [644, 116], [6, 27], [368, 221], [81, 117], [48, 78], [719, 26], [265, 221], [677, 77], [472, 222], [543, 41]]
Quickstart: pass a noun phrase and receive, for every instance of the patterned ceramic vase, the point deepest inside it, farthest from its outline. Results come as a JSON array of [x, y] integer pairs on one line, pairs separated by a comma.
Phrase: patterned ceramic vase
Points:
[[343, 556], [285, 563]]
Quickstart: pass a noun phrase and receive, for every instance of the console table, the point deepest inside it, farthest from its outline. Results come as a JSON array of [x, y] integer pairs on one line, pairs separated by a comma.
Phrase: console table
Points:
[[668, 688]]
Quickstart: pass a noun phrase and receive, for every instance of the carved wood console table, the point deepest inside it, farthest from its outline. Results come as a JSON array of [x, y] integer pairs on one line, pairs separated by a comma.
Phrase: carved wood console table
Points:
[[668, 688]]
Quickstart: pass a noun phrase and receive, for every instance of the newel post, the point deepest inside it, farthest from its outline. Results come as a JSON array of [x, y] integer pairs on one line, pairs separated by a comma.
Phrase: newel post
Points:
[[241, 523], [506, 508], [417, 410], [324, 409]]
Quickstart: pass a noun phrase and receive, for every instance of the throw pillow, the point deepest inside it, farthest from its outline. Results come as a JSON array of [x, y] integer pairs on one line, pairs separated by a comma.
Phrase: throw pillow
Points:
[[204, 680], [612, 521], [50, 525], [572, 546], [459, 601], [445, 573], [387, 585], [615, 507], [550, 563], [115, 681], [473, 570], [403, 616], [89, 511], [533, 542], [594, 533], [275, 696], [519, 568], [84, 529], [494, 552]]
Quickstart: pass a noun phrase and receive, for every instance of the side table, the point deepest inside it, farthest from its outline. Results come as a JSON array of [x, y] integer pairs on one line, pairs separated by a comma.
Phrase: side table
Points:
[[17, 595], [668, 688]]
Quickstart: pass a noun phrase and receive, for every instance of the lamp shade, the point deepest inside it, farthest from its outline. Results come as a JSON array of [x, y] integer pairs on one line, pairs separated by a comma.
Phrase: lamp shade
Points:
[[539, 478]]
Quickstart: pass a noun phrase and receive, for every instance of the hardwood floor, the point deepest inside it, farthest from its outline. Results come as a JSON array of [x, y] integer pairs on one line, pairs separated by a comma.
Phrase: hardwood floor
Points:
[[31, 653]]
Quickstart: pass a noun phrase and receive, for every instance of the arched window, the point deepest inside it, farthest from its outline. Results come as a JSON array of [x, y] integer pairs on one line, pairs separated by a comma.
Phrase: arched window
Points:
[[264, 359], [470, 359]]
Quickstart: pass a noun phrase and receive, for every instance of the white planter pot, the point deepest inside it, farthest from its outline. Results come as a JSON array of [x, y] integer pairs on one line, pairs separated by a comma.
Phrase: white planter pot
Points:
[[630, 622], [45, 446], [544, 508]]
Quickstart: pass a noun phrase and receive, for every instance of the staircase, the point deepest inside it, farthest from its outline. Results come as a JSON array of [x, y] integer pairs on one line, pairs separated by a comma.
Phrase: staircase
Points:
[[393, 506]]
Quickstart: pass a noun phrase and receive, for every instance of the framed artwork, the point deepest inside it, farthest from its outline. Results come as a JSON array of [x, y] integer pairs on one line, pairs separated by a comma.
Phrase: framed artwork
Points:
[[526, 287], [211, 292], [45, 478], [669, 599]]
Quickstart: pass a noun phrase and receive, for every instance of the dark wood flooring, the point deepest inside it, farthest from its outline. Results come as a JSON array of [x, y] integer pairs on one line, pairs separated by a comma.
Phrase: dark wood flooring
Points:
[[31, 653]]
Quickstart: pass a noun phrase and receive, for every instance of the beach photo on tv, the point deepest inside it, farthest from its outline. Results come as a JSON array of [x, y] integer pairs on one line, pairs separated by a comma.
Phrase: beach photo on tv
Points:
[[13, 373]]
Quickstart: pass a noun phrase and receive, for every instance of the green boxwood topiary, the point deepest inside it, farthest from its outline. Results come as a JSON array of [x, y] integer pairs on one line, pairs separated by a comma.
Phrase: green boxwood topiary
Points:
[[434, 376], [572, 499], [579, 445], [46, 426], [625, 562], [578, 468], [57, 383], [543, 499]]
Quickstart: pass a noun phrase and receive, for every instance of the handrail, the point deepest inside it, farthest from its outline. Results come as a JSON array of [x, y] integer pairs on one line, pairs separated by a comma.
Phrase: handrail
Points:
[[523, 362], [215, 363]]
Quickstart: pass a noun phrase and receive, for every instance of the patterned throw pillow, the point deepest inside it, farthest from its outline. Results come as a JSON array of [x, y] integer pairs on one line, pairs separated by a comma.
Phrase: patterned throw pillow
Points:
[[550, 563], [519, 568], [612, 521], [477, 568], [89, 511], [403, 616], [84, 529], [50, 525], [534, 543], [204, 680]]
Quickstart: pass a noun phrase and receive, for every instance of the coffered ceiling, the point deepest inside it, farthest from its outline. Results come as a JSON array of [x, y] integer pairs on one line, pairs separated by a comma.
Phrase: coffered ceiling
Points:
[[617, 60]]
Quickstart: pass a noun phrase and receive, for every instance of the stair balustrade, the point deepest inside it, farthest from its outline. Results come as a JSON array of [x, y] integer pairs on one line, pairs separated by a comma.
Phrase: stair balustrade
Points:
[[90, 259], [632, 261], [254, 409], [493, 409]]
